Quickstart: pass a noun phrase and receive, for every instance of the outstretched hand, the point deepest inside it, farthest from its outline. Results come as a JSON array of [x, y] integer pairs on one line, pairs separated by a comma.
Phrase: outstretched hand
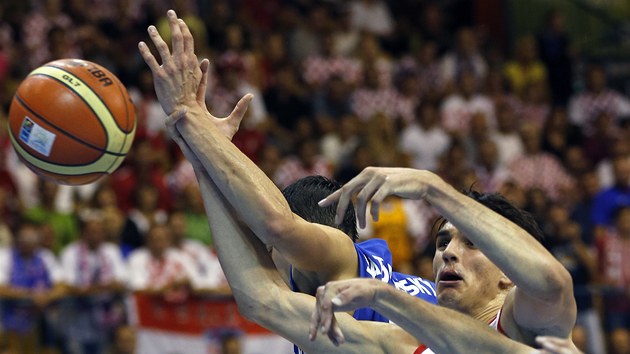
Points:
[[373, 185], [343, 295], [181, 81]]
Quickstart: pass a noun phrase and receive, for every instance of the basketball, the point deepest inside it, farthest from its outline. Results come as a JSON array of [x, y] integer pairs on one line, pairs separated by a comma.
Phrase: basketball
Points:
[[71, 121]]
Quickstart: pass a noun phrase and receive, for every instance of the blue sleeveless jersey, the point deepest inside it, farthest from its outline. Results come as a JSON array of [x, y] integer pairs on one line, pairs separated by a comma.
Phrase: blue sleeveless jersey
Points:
[[375, 261]]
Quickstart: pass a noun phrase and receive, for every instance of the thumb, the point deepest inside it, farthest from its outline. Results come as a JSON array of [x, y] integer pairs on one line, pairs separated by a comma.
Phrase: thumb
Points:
[[241, 108]]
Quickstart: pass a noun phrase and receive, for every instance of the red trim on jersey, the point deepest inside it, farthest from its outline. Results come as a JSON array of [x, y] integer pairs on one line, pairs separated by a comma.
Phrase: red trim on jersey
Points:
[[421, 349]]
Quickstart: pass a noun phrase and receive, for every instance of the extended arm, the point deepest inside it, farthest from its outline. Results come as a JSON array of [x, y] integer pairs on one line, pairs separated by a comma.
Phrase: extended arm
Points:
[[256, 198], [263, 297], [441, 329], [543, 300]]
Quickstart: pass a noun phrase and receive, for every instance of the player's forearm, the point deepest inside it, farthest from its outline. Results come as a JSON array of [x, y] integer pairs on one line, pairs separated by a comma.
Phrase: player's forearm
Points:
[[518, 254], [259, 202], [245, 261], [441, 329]]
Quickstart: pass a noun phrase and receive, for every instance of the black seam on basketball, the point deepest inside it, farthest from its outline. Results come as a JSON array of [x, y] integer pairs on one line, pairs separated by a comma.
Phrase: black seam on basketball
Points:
[[61, 131], [90, 87]]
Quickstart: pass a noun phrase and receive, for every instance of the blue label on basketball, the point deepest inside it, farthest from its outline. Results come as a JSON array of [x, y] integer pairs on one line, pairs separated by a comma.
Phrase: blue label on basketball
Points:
[[25, 130], [36, 137]]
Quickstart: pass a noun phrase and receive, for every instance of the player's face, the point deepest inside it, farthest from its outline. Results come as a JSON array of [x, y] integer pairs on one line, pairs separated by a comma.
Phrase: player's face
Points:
[[466, 280]]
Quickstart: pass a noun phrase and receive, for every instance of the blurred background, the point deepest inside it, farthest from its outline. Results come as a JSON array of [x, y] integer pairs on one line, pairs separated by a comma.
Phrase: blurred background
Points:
[[526, 98]]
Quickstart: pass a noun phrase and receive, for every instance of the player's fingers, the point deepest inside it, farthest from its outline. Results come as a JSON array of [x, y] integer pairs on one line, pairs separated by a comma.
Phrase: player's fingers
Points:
[[176, 34], [148, 57], [188, 39], [316, 315], [240, 109], [160, 45], [364, 196], [337, 332], [203, 85], [330, 199], [342, 205], [378, 197]]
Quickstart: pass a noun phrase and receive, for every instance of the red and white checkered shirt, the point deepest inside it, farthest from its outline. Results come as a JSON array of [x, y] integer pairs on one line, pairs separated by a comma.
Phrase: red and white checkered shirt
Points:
[[318, 69], [293, 169], [366, 103], [456, 111], [542, 171], [585, 107]]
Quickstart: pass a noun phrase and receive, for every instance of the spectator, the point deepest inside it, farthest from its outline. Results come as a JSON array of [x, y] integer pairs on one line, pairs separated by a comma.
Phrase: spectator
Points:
[[597, 98], [372, 97], [340, 141], [489, 171], [509, 143], [195, 216], [231, 85], [371, 16], [619, 148], [465, 58], [211, 277], [143, 166], [535, 105], [141, 218], [559, 134], [308, 161], [537, 168], [332, 101], [64, 225], [458, 108], [96, 277], [587, 189], [286, 100], [30, 281], [610, 199], [307, 28], [160, 270], [525, 69], [424, 140], [613, 248], [318, 69]]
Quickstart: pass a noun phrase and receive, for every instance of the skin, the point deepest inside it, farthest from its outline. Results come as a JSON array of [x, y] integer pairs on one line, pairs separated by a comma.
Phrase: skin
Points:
[[540, 302]]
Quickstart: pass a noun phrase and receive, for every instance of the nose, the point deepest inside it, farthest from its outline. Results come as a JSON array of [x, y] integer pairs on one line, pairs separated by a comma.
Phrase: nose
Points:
[[452, 252]]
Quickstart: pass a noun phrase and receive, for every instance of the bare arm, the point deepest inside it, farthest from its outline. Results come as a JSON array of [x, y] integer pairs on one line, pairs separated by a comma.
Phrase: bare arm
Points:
[[543, 298], [256, 198], [441, 329], [263, 297]]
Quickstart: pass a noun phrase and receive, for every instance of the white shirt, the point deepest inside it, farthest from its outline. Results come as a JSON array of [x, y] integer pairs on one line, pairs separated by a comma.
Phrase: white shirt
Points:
[[70, 262], [424, 146], [374, 17], [146, 272], [456, 111], [509, 146], [207, 263]]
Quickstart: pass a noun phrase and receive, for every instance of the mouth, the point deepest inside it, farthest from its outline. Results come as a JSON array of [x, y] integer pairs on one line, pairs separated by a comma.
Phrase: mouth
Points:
[[449, 278]]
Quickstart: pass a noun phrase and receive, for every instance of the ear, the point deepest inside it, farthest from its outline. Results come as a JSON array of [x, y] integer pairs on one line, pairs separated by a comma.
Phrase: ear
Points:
[[505, 283]]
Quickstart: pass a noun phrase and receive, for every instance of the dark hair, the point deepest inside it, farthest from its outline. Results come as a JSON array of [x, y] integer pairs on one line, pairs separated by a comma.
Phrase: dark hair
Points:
[[500, 205], [303, 196]]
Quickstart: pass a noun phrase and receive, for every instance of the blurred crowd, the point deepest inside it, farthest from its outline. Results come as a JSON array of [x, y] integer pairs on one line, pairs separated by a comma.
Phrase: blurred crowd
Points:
[[338, 86]]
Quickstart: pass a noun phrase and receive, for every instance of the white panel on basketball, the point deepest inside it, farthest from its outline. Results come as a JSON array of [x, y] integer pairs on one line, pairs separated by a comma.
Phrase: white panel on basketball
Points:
[[106, 163], [117, 140]]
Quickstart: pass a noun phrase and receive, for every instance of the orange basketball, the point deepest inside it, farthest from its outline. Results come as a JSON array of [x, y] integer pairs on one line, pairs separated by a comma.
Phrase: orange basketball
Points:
[[72, 121]]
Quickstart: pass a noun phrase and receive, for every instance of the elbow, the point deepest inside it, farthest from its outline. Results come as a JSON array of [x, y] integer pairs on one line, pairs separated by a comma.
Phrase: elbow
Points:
[[558, 282], [277, 228], [254, 307]]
